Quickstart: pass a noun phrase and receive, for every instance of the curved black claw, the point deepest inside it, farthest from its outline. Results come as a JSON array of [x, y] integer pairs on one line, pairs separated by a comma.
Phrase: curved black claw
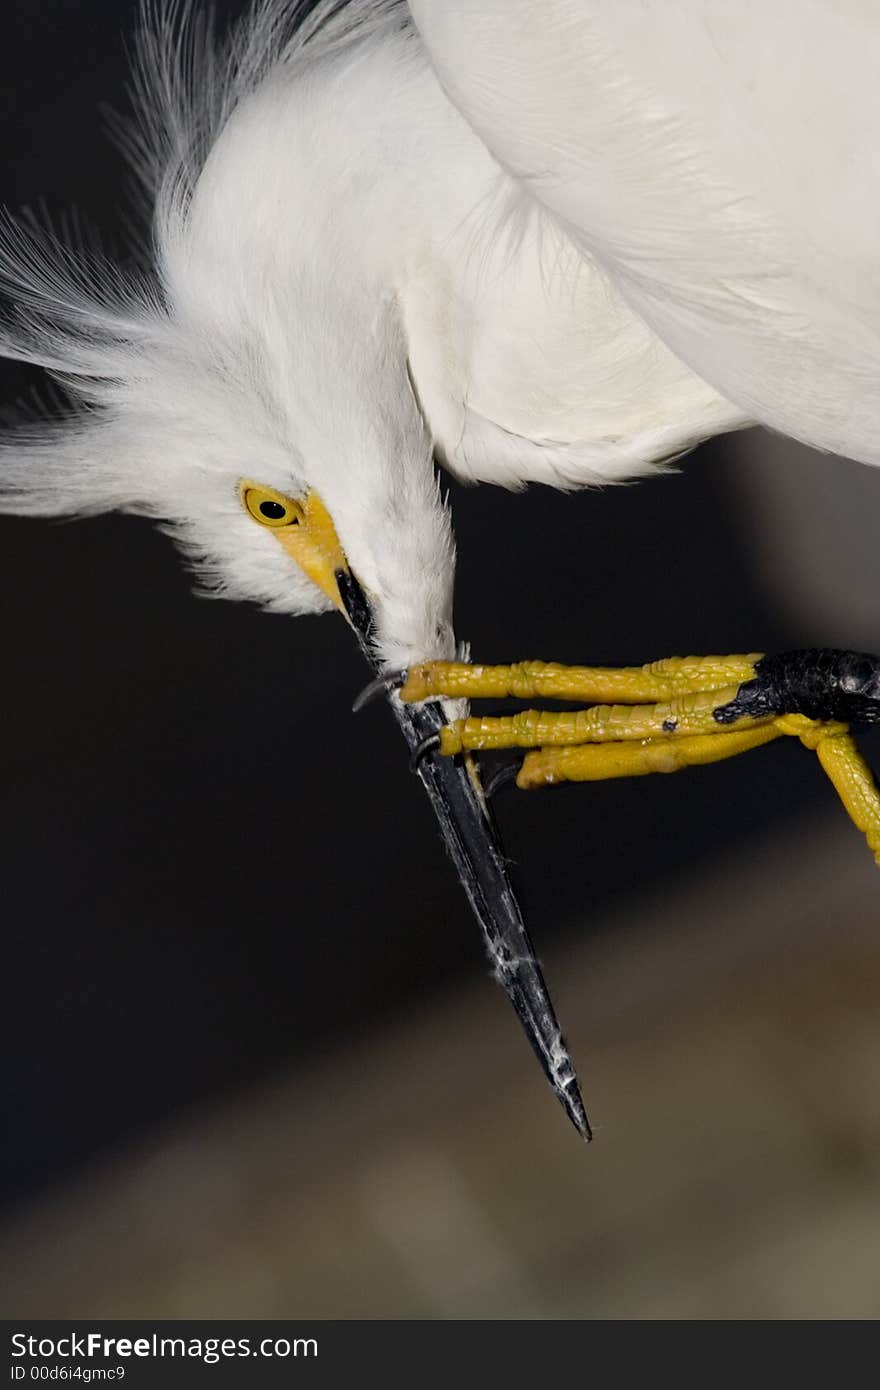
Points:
[[421, 750], [502, 774], [382, 685]]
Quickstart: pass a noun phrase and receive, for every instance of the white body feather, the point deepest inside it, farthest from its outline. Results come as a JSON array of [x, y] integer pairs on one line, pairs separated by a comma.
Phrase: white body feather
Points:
[[348, 281], [721, 161]]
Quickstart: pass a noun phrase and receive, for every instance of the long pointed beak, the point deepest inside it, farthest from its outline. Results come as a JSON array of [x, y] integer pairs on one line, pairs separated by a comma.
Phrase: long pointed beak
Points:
[[471, 838]]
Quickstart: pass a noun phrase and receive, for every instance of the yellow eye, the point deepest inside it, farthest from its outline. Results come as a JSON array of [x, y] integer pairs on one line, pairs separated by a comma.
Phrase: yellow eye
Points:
[[269, 507], [304, 529]]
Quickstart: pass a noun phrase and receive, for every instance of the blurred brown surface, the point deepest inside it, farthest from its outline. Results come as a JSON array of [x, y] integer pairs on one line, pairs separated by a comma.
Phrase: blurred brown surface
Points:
[[728, 1039]]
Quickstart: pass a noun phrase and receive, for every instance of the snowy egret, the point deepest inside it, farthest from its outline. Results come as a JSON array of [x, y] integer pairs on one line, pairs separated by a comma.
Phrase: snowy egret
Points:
[[568, 258]]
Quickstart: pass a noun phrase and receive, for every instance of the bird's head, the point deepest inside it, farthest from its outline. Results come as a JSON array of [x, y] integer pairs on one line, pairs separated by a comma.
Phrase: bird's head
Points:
[[268, 422], [251, 390]]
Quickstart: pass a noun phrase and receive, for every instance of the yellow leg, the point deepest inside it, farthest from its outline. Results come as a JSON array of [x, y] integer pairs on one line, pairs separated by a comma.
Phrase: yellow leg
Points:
[[684, 716], [855, 785], [598, 762], [528, 680], [849, 774]]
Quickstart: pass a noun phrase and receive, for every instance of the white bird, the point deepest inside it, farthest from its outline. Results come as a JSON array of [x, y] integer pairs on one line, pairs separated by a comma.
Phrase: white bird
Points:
[[559, 243]]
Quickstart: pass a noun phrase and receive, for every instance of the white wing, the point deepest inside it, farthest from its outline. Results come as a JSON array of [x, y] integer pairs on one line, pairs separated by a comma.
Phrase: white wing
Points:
[[721, 161]]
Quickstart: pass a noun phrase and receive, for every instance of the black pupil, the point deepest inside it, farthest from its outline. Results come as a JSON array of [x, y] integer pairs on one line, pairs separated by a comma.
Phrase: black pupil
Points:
[[273, 511]]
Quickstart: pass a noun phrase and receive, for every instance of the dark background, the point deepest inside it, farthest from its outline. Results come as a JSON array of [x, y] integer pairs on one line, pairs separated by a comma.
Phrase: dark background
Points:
[[209, 866]]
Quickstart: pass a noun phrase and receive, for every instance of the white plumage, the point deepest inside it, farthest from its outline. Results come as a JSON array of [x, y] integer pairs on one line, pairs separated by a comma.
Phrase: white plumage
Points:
[[664, 227], [720, 161]]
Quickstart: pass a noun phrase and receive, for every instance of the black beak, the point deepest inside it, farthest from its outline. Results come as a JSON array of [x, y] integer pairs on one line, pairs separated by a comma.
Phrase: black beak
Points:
[[469, 834]]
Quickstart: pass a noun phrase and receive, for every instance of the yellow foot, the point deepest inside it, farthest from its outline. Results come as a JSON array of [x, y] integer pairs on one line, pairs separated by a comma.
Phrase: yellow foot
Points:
[[680, 712], [532, 680]]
